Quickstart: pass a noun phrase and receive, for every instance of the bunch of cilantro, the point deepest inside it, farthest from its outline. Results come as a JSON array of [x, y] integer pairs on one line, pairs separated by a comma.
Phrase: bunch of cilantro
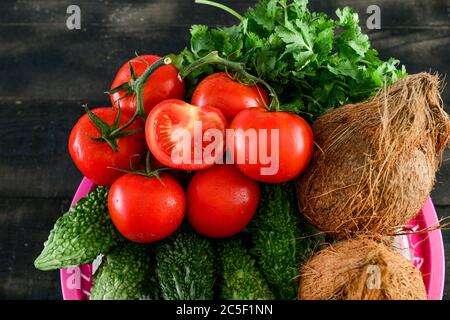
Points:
[[313, 62]]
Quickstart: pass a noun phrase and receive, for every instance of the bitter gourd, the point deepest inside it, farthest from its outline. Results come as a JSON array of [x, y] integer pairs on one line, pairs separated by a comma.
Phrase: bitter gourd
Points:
[[81, 234], [185, 266], [241, 278], [126, 273], [278, 235]]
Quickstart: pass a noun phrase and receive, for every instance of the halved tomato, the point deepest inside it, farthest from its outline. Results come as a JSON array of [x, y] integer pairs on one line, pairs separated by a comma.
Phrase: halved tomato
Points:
[[184, 136]]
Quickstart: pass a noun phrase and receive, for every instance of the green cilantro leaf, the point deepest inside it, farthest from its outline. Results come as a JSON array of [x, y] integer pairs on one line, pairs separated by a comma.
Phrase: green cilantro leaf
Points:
[[314, 62]]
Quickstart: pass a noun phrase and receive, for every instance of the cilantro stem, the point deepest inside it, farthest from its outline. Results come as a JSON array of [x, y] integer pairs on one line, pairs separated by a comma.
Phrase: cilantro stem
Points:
[[214, 58], [220, 6]]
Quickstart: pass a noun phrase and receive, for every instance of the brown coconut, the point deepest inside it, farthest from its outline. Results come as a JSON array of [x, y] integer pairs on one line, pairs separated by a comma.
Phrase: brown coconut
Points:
[[375, 161], [360, 269]]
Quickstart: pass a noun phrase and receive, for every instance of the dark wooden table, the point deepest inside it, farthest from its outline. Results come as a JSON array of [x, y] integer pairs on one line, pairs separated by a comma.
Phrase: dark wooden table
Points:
[[48, 71]]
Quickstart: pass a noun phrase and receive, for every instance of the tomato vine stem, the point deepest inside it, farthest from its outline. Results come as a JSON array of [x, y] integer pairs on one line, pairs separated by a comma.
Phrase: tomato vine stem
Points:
[[138, 87], [140, 82], [146, 171], [214, 59]]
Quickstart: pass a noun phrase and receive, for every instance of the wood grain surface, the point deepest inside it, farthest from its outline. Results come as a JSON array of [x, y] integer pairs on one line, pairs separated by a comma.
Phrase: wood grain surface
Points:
[[47, 72]]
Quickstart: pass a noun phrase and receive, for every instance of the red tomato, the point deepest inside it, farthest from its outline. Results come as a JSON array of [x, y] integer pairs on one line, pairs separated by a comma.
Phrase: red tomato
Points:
[[162, 85], [145, 210], [219, 90], [287, 156], [221, 201], [97, 160], [165, 131]]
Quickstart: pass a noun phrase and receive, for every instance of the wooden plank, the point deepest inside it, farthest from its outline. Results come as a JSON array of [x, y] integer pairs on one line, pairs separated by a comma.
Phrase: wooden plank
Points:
[[34, 161], [25, 224], [394, 14], [441, 194], [49, 65], [413, 13], [58, 65], [418, 50], [143, 13]]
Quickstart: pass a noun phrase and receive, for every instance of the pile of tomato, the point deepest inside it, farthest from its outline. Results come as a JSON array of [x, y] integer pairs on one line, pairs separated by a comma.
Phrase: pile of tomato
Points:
[[132, 152]]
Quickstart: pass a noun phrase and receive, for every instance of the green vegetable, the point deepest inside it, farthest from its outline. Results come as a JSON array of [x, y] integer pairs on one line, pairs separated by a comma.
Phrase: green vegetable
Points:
[[127, 273], [81, 234], [241, 278], [313, 61], [185, 266], [279, 239]]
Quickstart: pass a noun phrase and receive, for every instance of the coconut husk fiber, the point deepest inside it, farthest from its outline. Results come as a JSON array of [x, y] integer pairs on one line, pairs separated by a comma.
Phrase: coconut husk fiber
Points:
[[375, 162], [360, 269]]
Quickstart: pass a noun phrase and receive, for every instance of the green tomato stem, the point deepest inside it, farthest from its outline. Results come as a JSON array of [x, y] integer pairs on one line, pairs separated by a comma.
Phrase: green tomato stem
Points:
[[139, 91], [140, 82], [215, 59], [125, 126]]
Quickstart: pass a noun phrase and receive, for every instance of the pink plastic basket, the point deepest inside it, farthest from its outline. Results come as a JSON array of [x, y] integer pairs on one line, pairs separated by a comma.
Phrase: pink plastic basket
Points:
[[425, 250]]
